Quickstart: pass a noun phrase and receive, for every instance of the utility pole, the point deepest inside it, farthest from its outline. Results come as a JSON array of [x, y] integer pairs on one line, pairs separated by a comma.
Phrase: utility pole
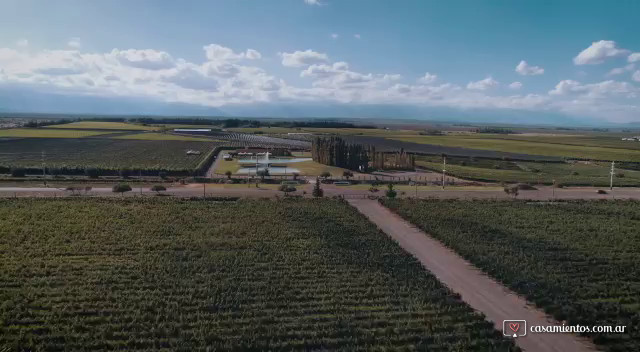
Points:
[[44, 169], [444, 169], [613, 166], [140, 179], [204, 190]]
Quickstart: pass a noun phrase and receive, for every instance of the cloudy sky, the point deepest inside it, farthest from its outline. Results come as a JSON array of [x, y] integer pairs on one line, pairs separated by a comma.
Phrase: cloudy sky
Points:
[[576, 58]]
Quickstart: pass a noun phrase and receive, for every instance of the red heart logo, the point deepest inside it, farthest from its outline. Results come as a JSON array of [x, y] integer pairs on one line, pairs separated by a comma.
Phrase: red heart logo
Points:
[[514, 326]]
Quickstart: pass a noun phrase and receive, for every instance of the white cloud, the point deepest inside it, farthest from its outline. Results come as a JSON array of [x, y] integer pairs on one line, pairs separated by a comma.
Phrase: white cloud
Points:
[[598, 52], [525, 69], [22, 43], [515, 85], [253, 54], [484, 84], [428, 78], [334, 35], [147, 58], [636, 76], [215, 52], [620, 70], [313, 2], [635, 57], [224, 76], [357, 36], [74, 43], [338, 75], [595, 90], [303, 58]]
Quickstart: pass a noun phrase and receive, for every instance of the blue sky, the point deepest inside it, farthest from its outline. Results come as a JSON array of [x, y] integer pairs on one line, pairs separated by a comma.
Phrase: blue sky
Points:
[[451, 54]]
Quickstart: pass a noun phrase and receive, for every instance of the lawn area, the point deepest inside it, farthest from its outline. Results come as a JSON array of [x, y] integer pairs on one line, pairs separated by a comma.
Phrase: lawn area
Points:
[[527, 147], [101, 125], [190, 275], [307, 168], [591, 174], [47, 133], [227, 165], [576, 260], [152, 136]]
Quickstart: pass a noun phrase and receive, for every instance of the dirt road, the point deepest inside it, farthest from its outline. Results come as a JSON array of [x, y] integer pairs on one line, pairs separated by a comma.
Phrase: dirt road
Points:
[[478, 290]]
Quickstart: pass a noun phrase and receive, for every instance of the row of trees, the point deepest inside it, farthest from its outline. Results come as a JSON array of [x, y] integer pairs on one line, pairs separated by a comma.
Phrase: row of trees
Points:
[[397, 160], [334, 151]]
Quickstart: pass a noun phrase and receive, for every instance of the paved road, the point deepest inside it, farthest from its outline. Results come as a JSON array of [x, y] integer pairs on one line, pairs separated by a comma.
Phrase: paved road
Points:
[[196, 190], [478, 290]]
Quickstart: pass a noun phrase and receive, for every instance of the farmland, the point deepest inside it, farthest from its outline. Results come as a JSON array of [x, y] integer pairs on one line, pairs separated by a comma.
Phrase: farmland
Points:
[[104, 125], [74, 155], [530, 146], [163, 137], [46, 133], [577, 173], [577, 260], [98, 274]]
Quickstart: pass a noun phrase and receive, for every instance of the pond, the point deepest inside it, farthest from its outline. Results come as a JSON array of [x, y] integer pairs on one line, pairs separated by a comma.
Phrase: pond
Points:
[[272, 170], [274, 160]]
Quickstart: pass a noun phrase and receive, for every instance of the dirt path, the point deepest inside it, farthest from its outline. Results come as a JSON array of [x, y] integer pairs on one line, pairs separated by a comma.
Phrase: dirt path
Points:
[[478, 290]]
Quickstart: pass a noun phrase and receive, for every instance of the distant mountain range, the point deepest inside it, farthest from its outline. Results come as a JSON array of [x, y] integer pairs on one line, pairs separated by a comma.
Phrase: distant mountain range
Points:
[[15, 101]]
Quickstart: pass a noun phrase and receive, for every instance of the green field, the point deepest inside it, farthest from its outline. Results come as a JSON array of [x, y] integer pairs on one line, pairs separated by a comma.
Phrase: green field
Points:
[[47, 133], [577, 174], [306, 168], [577, 260], [74, 155], [542, 147], [152, 136], [100, 125], [164, 274]]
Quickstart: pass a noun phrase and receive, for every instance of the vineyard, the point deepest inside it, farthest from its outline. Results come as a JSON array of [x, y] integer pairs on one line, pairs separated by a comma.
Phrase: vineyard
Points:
[[75, 155], [99, 274], [568, 174], [577, 260]]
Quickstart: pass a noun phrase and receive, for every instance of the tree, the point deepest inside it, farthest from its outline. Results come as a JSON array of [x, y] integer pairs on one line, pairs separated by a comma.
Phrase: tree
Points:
[[18, 172], [263, 173], [124, 173], [228, 173], [92, 172], [162, 174], [325, 174], [74, 190], [121, 188], [347, 174], [391, 193], [286, 189], [158, 188], [511, 190], [317, 191]]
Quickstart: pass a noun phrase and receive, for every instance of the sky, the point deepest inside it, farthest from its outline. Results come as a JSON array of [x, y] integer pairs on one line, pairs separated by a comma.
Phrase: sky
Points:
[[579, 59]]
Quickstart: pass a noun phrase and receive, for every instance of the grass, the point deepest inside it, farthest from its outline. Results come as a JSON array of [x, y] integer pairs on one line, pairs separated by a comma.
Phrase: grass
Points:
[[578, 173], [306, 168], [46, 133], [576, 260], [100, 125], [168, 274], [152, 136], [499, 143]]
